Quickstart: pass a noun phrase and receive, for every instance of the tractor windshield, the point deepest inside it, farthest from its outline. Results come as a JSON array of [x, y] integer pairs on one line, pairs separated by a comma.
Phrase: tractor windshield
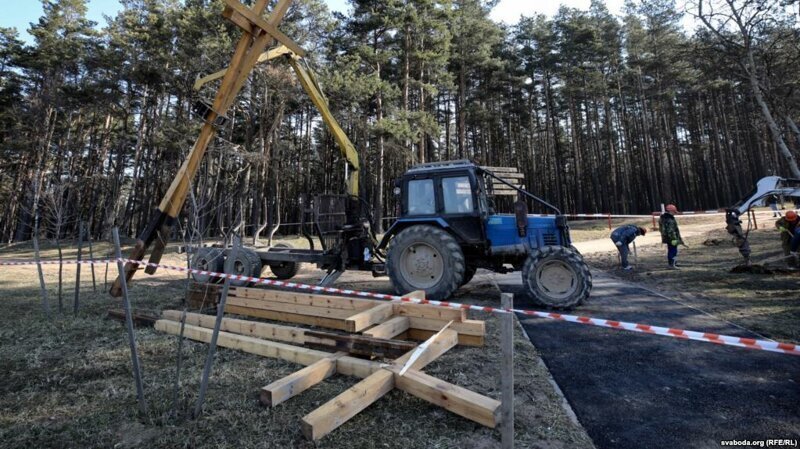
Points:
[[457, 194], [420, 197]]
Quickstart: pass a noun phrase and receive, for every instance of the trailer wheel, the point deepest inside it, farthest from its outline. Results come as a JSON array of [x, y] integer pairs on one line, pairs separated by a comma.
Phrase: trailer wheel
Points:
[[285, 270], [208, 259], [469, 273], [556, 277], [246, 263], [425, 257]]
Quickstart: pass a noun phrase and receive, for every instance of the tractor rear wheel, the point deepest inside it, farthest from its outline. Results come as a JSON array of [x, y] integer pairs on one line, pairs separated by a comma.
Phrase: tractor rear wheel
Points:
[[556, 277], [208, 259], [469, 273], [246, 263], [285, 270], [425, 257]]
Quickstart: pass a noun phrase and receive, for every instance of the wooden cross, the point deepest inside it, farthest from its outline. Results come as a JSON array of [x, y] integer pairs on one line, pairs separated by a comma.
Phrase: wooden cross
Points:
[[258, 35]]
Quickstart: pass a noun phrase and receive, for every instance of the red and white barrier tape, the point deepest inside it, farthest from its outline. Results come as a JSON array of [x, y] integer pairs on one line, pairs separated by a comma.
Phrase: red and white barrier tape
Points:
[[56, 262], [764, 345]]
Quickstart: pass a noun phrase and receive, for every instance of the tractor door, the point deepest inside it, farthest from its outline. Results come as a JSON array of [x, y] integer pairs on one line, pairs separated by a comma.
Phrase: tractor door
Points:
[[461, 206]]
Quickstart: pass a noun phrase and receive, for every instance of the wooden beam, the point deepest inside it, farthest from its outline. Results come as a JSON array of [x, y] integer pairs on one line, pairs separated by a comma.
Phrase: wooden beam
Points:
[[416, 294], [389, 329], [463, 339], [330, 323], [428, 311], [303, 299], [299, 381], [446, 341], [473, 406], [369, 317], [345, 365], [288, 334], [358, 344], [324, 312], [267, 27], [467, 327], [349, 403]]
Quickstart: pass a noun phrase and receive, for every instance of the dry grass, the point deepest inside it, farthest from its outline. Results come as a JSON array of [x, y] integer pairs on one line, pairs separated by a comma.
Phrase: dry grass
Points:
[[67, 383]]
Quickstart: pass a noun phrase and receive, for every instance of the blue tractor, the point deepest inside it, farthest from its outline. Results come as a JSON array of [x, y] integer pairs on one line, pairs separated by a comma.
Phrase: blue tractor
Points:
[[448, 228]]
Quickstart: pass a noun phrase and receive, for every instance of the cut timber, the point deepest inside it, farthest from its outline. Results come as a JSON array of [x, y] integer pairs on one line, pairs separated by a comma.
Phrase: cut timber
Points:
[[423, 348], [428, 311], [146, 319], [443, 343], [299, 381], [463, 339], [338, 410], [345, 365], [467, 327], [303, 299], [325, 312], [202, 296], [353, 344], [358, 344], [416, 294], [473, 406], [498, 170], [369, 317], [269, 331], [330, 323], [391, 328]]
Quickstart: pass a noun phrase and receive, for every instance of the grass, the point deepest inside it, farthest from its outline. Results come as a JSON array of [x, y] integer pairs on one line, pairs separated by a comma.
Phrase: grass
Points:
[[67, 382]]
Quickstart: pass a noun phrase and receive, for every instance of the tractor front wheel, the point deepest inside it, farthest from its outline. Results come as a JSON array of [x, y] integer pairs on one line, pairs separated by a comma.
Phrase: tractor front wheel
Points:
[[556, 277], [425, 257]]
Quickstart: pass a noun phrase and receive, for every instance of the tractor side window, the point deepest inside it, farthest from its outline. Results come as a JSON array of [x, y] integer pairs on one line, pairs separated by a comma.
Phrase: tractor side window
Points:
[[457, 193], [420, 197]]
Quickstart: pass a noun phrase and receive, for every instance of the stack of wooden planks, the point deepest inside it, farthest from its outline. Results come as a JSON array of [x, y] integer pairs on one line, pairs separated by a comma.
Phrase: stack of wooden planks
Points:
[[373, 318], [383, 327]]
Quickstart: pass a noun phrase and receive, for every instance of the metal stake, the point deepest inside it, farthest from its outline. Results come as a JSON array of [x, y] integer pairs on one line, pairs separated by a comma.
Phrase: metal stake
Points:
[[198, 410], [137, 372]]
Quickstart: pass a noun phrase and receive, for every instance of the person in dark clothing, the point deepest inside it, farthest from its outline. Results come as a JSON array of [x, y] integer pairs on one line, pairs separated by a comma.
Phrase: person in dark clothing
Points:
[[773, 204], [670, 234], [624, 236]]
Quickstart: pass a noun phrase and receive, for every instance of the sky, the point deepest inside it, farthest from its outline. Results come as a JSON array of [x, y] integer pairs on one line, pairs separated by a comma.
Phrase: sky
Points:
[[20, 13]]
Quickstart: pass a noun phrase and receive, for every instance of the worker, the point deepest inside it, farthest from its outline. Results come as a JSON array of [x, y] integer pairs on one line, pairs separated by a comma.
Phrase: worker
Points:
[[773, 204], [670, 234], [789, 227], [624, 236]]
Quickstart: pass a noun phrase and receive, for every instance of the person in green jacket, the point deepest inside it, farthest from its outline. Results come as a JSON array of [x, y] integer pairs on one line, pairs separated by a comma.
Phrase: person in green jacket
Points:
[[670, 234]]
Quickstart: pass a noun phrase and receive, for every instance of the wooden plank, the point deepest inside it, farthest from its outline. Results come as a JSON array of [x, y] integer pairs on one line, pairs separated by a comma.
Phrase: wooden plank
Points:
[[290, 308], [290, 386], [287, 334], [416, 294], [349, 403], [330, 323], [369, 317], [423, 348], [507, 372], [467, 327], [463, 339], [345, 365], [427, 311], [303, 299], [391, 328], [504, 193], [510, 175], [446, 341], [469, 404], [269, 28], [358, 344], [501, 169], [139, 318]]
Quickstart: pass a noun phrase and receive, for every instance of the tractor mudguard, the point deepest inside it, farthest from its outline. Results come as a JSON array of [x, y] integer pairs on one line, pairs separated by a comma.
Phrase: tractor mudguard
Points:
[[403, 223]]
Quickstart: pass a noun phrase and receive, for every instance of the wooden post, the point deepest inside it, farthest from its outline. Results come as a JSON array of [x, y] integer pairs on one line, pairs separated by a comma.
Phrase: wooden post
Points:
[[42, 286], [137, 372], [507, 372], [76, 303], [91, 257], [212, 346]]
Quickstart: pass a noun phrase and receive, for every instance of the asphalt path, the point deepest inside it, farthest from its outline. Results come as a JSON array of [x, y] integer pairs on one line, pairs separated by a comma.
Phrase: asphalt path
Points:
[[632, 390]]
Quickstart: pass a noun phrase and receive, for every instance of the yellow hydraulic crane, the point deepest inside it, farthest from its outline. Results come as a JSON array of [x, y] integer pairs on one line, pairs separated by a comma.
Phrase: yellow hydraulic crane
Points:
[[258, 35]]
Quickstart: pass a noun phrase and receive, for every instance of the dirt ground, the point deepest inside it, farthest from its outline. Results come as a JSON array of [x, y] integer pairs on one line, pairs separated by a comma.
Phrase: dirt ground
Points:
[[67, 381], [768, 304]]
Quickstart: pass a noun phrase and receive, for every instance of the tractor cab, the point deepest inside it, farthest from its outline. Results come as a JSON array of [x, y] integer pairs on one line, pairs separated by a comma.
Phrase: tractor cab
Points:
[[449, 227]]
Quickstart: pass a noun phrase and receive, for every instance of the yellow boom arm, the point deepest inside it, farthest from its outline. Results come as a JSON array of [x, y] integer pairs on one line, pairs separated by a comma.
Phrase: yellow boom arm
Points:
[[309, 83]]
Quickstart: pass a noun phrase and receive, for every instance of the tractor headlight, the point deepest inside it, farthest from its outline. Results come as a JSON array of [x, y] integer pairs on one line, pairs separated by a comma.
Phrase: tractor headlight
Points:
[[396, 191]]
